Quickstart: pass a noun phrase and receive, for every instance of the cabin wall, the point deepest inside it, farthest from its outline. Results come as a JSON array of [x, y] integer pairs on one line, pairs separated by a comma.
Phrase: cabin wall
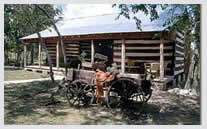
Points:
[[72, 48], [179, 54], [143, 51], [51, 47]]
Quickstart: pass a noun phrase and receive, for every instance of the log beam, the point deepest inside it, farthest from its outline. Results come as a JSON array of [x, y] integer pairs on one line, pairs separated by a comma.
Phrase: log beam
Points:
[[57, 55], [25, 55], [39, 55], [92, 51], [123, 54], [161, 58]]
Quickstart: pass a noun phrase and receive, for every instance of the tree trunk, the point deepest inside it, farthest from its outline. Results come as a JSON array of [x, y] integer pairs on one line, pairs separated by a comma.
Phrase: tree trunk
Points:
[[48, 57], [60, 37], [193, 79], [44, 45], [18, 58]]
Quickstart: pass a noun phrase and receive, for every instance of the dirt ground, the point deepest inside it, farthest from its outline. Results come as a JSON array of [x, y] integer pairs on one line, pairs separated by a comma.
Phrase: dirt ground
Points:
[[29, 104]]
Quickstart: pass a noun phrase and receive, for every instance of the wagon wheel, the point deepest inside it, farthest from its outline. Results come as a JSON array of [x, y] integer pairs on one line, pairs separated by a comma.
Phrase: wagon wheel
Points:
[[119, 93], [140, 97], [79, 93]]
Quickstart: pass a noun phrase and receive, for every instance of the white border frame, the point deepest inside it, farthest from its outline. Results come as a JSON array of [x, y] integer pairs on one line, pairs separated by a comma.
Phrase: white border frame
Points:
[[203, 60]]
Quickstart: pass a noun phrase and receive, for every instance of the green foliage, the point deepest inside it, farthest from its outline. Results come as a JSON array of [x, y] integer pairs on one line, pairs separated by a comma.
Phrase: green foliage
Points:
[[82, 56], [25, 19], [148, 9], [114, 69]]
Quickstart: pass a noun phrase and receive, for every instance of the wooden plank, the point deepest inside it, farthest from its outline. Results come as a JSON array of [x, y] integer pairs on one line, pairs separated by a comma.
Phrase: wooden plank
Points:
[[72, 49], [180, 53], [181, 47], [72, 55], [39, 54], [180, 35], [72, 52], [123, 54], [138, 61], [25, 55], [144, 48], [179, 65], [179, 58], [143, 54], [51, 51], [179, 40], [161, 58], [147, 57], [178, 72], [141, 41], [92, 51], [72, 44], [143, 45], [146, 51], [57, 55]]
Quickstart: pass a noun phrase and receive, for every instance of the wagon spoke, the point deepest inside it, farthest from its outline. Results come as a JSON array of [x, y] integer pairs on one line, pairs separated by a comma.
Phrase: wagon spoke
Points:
[[74, 100]]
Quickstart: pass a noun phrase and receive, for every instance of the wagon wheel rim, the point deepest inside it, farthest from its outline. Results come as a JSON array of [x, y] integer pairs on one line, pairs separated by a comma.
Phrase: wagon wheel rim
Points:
[[139, 97], [76, 93], [122, 88]]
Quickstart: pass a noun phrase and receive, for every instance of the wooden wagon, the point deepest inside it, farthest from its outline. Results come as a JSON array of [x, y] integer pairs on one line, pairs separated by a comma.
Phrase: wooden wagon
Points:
[[122, 90]]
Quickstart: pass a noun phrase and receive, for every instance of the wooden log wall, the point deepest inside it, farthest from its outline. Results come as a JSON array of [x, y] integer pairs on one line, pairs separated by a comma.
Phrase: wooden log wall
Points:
[[179, 53], [72, 49], [51, 47], [143, 51]]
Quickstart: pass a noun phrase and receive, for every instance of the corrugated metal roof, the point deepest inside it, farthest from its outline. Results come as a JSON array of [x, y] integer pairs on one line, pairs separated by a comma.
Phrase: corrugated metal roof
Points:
[[102, 25]]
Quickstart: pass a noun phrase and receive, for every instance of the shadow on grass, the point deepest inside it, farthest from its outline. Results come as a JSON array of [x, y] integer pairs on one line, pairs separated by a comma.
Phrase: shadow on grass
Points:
[[26, 104], [163, 109], [29, 99]]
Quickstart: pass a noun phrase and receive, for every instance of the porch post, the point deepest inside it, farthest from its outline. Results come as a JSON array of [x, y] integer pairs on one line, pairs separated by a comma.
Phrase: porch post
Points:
[[39, 56], [25, 55], [57, 55], [92, 51], [123, 56], [161, 58]]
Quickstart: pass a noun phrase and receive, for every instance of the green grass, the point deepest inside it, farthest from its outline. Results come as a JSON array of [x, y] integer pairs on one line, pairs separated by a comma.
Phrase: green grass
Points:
[[10, 75]]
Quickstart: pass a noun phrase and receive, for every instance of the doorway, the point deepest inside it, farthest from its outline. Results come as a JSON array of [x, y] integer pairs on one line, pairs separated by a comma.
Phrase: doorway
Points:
[[105, 47]]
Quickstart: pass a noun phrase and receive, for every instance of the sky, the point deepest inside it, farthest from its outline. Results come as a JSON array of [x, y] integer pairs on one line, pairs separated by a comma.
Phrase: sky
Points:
[[74, 11], [101, 18], [74, 15]]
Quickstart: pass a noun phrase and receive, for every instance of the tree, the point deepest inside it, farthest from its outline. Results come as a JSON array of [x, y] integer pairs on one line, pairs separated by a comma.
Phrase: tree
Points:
[[188, 21], [12, 32], [49, 15]]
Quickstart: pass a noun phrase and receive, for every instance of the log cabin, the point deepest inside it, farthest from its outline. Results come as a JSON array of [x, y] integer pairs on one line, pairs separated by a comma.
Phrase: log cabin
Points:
[[121, 42]]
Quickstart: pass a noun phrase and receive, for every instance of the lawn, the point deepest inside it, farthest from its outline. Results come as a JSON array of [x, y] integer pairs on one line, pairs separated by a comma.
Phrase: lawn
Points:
[[12, 74], [29, 103]]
